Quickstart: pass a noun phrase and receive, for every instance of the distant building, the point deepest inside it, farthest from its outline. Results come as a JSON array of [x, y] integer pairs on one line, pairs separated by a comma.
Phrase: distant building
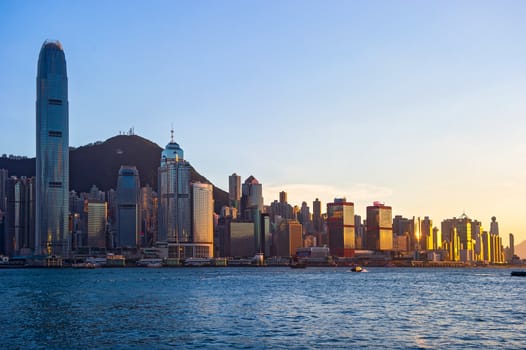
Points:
[[52, 153], [234, 190], [203, 225], [463, 228], [242, 242], [340, 227], [149, 210], [19, 236], [128, 208], [281, 209], [288, 238], [316, 216], [512, 245], [4, 175], [251, 198], [379, 227], [96, 223], [175, 210]]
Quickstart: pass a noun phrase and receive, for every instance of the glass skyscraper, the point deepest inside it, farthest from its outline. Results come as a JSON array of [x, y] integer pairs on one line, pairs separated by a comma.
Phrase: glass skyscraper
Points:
[[128, 187], [175, 211], [52, 153]]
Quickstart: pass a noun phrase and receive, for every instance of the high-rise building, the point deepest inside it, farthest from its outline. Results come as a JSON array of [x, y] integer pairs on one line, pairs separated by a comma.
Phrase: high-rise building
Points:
[[462, 227], [494, 226], [52, 152], [316, 216], [20, 219], [512, 245], [128, 211], [340, 227], [202, 219], [426, 234], [96, 223], [287, 238], [4, 175], [234, 190], [251, 198], [175, 210], [149, 212], [379, 227]]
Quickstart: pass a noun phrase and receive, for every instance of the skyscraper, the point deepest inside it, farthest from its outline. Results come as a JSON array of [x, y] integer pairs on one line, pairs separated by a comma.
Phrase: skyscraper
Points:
[[175, 211], [52, 152], [234, 190], [340, 227], [251, 198], [128, 211], [379, 227], [20, 221], [202, 219], [4, 175]]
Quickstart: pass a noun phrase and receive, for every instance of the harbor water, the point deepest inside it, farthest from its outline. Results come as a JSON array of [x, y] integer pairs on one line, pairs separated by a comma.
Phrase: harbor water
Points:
[[271, 307]]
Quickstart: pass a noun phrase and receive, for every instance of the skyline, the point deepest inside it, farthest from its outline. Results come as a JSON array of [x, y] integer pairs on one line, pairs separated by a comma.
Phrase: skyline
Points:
[[408, 93]]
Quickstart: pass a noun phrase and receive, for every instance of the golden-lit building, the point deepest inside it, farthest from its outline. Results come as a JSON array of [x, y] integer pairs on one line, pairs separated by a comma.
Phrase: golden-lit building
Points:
[[379, 227], [340, 227]]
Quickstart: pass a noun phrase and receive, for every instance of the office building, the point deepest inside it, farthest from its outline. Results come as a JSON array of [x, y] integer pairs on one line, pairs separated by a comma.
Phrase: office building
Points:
[[462, 225], [234, 190], [379, 227], [19, 236], [202, 219], [52, 153], [287, 238], [251, 198], [340, 227], [128, 208], [175, 210], [316, 216], [97, 212], [4, 175]]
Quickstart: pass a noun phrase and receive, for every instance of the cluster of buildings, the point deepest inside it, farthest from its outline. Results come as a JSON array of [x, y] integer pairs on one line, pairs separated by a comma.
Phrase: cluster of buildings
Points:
[[41, 217]]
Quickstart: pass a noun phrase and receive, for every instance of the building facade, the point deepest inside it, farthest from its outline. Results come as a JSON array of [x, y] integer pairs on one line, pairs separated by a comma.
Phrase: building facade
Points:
[[128, 208], [340, 227], [175, 211], [379, 227]]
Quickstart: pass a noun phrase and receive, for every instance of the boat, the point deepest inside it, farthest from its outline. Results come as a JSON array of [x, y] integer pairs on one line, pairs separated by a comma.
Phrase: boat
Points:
[[298, 265], [356, 269], [518, 273]]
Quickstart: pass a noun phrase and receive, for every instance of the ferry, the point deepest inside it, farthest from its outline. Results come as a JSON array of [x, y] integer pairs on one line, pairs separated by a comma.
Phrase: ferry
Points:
[[197, 262]]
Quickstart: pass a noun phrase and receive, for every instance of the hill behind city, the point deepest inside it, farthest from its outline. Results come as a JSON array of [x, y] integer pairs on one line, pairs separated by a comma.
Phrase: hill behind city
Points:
[[98, 164]]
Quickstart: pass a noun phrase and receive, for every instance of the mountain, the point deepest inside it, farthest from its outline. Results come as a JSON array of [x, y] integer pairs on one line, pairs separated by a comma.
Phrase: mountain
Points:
[[98, 164], [520, 250]]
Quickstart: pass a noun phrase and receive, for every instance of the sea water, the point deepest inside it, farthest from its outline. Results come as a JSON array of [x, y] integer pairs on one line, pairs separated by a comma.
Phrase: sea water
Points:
[[266, 307]]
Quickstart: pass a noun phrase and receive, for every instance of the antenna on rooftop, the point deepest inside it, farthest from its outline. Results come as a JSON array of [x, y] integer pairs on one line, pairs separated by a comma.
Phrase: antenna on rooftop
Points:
[[172, 133]]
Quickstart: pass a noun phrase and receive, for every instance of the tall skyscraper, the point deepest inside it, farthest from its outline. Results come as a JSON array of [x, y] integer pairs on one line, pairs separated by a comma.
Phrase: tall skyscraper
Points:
[[202, 219], [20, 220], [340, 227], [175, 211], [96, 223], [234, 190], [379, 227], [128, 211], [316, 216], [463, 228], [52, 153], [251, 198], [512, 245], [4, 175]]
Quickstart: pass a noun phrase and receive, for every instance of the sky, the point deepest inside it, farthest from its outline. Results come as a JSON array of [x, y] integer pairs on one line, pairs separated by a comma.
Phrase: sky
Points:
[[418, 104]]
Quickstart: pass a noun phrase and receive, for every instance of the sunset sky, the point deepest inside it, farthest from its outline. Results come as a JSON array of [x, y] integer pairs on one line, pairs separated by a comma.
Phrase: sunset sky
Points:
[[419, 104]]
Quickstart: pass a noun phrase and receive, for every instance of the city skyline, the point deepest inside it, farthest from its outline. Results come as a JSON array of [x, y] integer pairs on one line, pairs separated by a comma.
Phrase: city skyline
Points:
[[416, 105]]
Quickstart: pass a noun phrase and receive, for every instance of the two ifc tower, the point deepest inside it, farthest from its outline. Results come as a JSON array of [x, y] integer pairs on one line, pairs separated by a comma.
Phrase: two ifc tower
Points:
[[52, 153]]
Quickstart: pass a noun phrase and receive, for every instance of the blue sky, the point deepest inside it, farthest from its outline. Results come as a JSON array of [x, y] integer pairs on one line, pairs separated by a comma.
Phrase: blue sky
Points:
[[419, 104]]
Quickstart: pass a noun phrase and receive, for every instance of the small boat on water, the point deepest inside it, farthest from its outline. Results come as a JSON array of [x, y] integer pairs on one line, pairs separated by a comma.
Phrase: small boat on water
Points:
[[356, 269], [518, 273], [298, 265]]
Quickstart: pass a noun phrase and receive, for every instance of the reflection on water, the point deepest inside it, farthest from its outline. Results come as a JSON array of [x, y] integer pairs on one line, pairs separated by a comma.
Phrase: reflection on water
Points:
[[262, 308]]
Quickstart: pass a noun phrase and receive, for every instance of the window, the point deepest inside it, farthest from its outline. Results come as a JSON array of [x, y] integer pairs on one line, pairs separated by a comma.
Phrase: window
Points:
[[53, 101], [52, 133]]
